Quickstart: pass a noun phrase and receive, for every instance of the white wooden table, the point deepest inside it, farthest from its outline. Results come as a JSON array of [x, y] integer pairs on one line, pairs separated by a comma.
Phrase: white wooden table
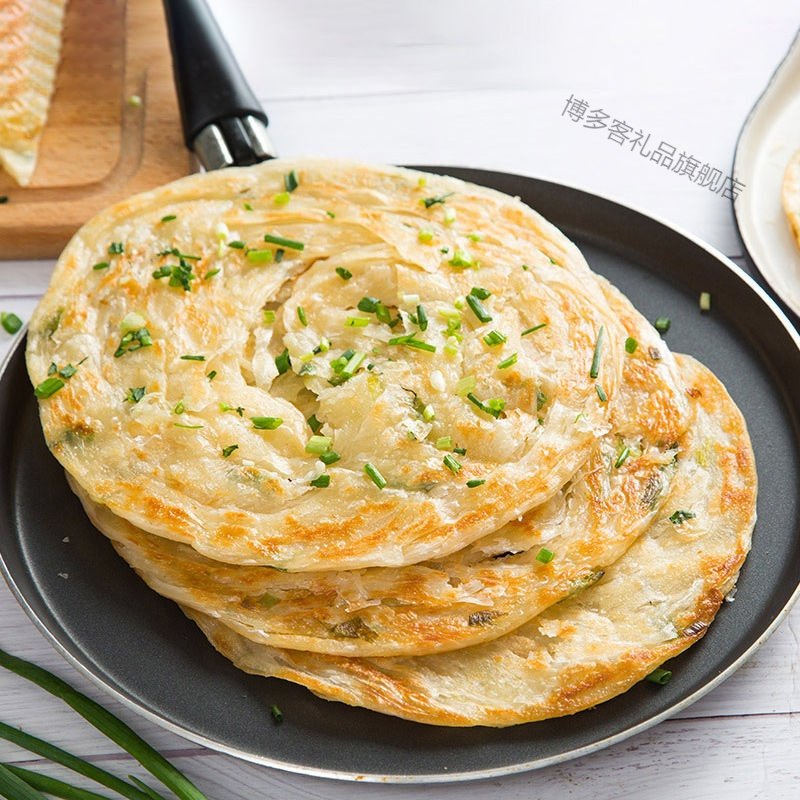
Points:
[[484, 84]]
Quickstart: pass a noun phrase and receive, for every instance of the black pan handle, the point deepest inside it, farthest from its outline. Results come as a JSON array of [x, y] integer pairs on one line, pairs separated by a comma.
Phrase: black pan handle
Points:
[[223, 121]]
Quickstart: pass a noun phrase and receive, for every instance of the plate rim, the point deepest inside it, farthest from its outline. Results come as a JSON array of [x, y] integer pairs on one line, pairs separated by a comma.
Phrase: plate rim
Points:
[[93, 673]]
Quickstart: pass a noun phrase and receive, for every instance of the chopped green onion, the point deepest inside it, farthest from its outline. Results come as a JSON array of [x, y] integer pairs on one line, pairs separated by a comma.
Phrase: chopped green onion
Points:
[[279, 254], [356, 322], [475, 482], [301, 315], [282, 198], [601, 393], [186, 425], [266, 423], [116, 248], [48, 387], [493, 407], [283, 362], [428, 414], [422, 318], [222, 407], [3, 199], [630, 345], [432, 201], [410, 341], [662, 324], [317, 445], [451, 464], [475, 237], [134, 395], [545, 556], [260, 256], [660, 676], [461, 258], [277, 714], [444, 443], [168, 218], [269, 316], [343, 273], [480, 293], [705, 301], [331, 214], [477, 307], [368, 304], [323, 346], [211, 375], [541, 399], [193, 358], [133, 339], [180, 408], [466, 385], [290, 243], [508, 362], [237, 245], [494, 338], [329, 457], [352, 365], [101, 265], [425, 236], [107, 723], [314, 423], [321, 481], [211, 273], [226, 451], [622, 457], [679, 517], [248, 207], [19, 783], [10, 321], [534, 328], [291, 181], [594, 370], [375, 475]]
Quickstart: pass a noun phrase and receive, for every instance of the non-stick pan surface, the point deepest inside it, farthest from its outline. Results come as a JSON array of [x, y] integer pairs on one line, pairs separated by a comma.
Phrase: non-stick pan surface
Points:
[[140, 647]]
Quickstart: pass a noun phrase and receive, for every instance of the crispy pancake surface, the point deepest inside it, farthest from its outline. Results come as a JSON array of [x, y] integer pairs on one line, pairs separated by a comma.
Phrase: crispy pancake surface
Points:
[[653, 603], [437, 334]]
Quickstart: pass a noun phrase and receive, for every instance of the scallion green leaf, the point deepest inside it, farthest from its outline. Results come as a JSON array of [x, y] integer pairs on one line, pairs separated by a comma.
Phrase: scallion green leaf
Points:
[[329, 457], [290, 243], [508, 362], [451, 464], [291, 181], [317, 444], [48, 387], [473, 483], [301, 315], [477, 308], [343, 273], [660, 676], [314, 423], [622, 457], [544, 555], [264, 256], [630, 345], [601, 393], [321, 481], [594, 370], [374, 475], [266, 423], [494, 338], [534, 328], [283, 362], [662, 324], [226, 451], [10, 321]]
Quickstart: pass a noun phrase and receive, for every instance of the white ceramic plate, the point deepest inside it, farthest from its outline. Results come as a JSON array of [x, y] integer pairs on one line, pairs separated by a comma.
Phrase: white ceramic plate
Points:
[[769, 138]]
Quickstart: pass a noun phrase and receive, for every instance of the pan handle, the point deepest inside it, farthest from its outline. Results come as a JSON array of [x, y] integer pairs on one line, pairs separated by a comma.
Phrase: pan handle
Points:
[[223, 122]]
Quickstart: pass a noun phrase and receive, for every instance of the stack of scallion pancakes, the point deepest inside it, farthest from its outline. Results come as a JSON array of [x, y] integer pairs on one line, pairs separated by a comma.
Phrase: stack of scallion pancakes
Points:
[[385, 434]]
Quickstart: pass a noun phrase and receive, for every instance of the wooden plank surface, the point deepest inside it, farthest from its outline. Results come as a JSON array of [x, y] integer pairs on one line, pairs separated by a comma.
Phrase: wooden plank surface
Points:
[[453, 82], [98, 147]]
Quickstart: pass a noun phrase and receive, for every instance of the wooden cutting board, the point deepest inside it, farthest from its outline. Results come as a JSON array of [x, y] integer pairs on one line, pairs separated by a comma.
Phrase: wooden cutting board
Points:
[[99, 145]]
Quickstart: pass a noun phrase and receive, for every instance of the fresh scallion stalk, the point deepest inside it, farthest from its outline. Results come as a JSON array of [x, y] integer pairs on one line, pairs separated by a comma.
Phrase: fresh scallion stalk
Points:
[[53, 786]]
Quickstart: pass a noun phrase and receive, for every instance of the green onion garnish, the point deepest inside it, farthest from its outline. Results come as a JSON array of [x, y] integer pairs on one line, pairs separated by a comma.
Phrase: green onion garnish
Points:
[[290, 181], [375, 475], [594, 370], [545, 556], [301, 315], [277, 714], [601, 393], [279, 254], [425, 236], [168, 218], [660, 676], [237, 245], [329, 457], [283, 362], [107, 723], [3, 199], [428, 413], [178, 274], [508, 362], [248, 207], [465, 385], [494, 338], [211, 273], [368, 304], [475, 482], [705, 301], [432, 201], [314, 423], [134, 395], [321, 481], [10, 321], [679, 517], [317, 445], [662, 324], [410, 341], [493, 407], [101, 265], [180, 408], [444, 443], [352, 365], [422, 318], [356, 322], [211, 375], [266, 423], [534, 328], [116, 248], [269, 316], [260, 256], [290, 243], [451, 464], [226, 451], [331, 214], [477, 307], [48, 387], [461, 258], [187, 426], [19, 783], [480, 293], [133, 340], [193, 358], [622, 457], [630, 345], [343, 273]]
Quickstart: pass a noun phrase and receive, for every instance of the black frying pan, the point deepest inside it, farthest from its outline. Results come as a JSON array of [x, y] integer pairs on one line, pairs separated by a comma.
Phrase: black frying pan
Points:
[[143, 650]]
